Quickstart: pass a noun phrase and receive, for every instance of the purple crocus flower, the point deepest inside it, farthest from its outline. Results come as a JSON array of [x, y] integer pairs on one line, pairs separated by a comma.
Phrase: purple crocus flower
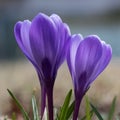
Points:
[[44, 42], [86, 58]]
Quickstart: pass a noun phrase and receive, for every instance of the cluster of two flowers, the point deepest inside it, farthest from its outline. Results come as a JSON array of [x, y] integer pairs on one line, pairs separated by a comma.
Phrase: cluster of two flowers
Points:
[[47, 42]]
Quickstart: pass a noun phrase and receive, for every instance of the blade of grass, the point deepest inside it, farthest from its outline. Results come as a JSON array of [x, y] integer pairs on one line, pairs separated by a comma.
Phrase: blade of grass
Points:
[[13, 116], [65, 106], [91, 114], [25, 115], [112, 109], [96, 112], [35, 108], [70, 110], [87, 109]]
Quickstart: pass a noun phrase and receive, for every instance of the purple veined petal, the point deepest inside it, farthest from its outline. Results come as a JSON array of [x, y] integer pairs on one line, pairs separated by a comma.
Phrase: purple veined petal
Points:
[[42, 37], [62, 31], [106, 57], [21, 31], [56, 19], [17, 32], [62, 40], [58, 28], [103, 62], [63, 46], [22, 36], [25, 37], [75, 41], [87, 56], [59, 42], [71, 54]]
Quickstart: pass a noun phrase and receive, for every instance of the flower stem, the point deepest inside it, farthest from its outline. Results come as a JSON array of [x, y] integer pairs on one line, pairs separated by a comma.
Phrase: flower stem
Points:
[[76, 109], [50, 103], [43, 100]]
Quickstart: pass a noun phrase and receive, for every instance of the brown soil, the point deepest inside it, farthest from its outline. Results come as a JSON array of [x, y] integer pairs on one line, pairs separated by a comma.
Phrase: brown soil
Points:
[[20, 77]]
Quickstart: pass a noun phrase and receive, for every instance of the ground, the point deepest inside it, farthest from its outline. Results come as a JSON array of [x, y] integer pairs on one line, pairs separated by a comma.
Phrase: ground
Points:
[[20, 77]]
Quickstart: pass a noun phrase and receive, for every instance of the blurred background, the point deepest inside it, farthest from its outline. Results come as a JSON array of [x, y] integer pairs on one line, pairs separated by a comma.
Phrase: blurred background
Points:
[[100, 17]]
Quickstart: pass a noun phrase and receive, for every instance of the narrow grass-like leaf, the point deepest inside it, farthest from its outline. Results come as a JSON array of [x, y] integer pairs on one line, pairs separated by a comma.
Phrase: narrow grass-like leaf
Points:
[[70, 110], [25, 115], [35, 108], [96, 112], [112, 109], [65, 106], [87, 109], [13, 116], [91, 114]]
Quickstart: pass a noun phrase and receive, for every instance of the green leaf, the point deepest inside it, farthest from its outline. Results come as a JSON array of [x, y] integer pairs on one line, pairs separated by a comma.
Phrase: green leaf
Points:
[[13, 116], [90, 113], [35, 108], [70, 110], [96, 112], [112, 110], [25, 115], [88, 117], [65, 106]]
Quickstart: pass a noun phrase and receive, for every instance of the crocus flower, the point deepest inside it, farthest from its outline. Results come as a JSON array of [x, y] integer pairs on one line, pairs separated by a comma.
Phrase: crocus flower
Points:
[[44, 42], [86, 58]]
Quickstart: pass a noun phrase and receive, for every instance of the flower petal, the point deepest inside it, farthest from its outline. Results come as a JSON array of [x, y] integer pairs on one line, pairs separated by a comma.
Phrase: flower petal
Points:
[[75, 41], [22, 36], [62, 41], [42, 37], [25, 38], [17, 32], [87, 56], [103, 62]]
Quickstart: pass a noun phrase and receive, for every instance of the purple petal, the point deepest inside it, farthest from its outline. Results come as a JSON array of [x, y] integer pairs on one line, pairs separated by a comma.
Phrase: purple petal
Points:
[[87, 56], [25, 37], [42, 37], [75, 41], [22, 37], [62, 41], [103, 62], [17, 32], [21, 31]]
